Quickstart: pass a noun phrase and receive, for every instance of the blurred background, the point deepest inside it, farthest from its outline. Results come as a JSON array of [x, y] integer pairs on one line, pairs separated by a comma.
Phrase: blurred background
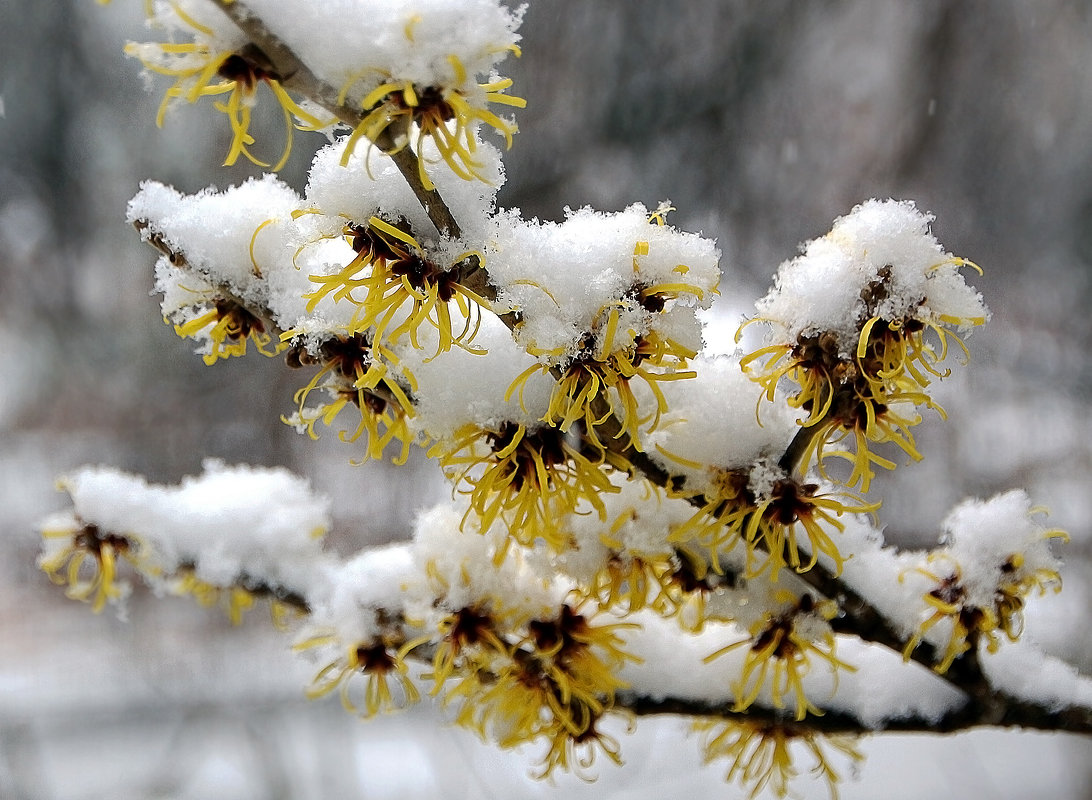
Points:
[[761, 121]]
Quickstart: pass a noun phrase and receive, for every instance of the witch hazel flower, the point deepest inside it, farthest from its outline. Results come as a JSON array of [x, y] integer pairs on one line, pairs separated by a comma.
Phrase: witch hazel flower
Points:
[[393, 277], [474, 602], [402, 113], [994, 556], [232, 273], [220, 243], [761, 755], [401, 287], [414, 71], [557, 682], [294, 256], [781, 643], [84, 558], [219, 62], [364, 183], [514, 469], [515, 658], [624, 560], [351, 376], [359, 633], [860, 323], [781, 521], [230, 535], [726, 463], [604, 301], [407, 71]]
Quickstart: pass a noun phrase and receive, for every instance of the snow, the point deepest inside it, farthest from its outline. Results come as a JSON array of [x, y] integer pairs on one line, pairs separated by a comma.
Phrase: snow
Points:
[[226, 523], [713, 421], [460, 387], [575, 288], [355, 45], [564, 277], [883, 243]]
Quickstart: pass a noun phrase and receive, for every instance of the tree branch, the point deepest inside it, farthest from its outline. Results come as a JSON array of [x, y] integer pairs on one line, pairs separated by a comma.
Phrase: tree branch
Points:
[[859, 617], [1017, 714], [295, 75]]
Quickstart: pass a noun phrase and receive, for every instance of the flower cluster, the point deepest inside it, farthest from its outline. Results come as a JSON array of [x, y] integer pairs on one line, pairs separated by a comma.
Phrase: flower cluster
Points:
[[381, 662], [228, 326], [399, 82], [394, 112], [996, 555], [218, 537], [779, 647], [527, 479], [557, 682], [765, 509], [352, 378], [760, 753], [498, 642], [619, 506], [610, 311], [391, 270], [85, 559], [218, 62], [859, 352]]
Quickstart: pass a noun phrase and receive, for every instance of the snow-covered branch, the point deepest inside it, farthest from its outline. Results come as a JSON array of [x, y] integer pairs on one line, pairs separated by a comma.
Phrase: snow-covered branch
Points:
[[628, 532]]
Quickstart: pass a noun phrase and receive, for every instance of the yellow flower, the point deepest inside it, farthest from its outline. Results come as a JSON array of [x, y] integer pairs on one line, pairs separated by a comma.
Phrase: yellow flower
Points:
[[381, 662], [232, 326], [1017, 583], [779, 655], [87, 563], [372, 248], [556, 682], [403, 289], [843, 398], [508, 703], [769, 524], [352, 375], [238, 598], [235, 600], [632, 582], [596, 386], [572, 639], [524, 698], [527, 479], [812, 363], [949, 601], [470, 639], [689, 583], [449, 115], [577, 753], [857, 413], [202, 70], [760, 753], [868, 394]]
